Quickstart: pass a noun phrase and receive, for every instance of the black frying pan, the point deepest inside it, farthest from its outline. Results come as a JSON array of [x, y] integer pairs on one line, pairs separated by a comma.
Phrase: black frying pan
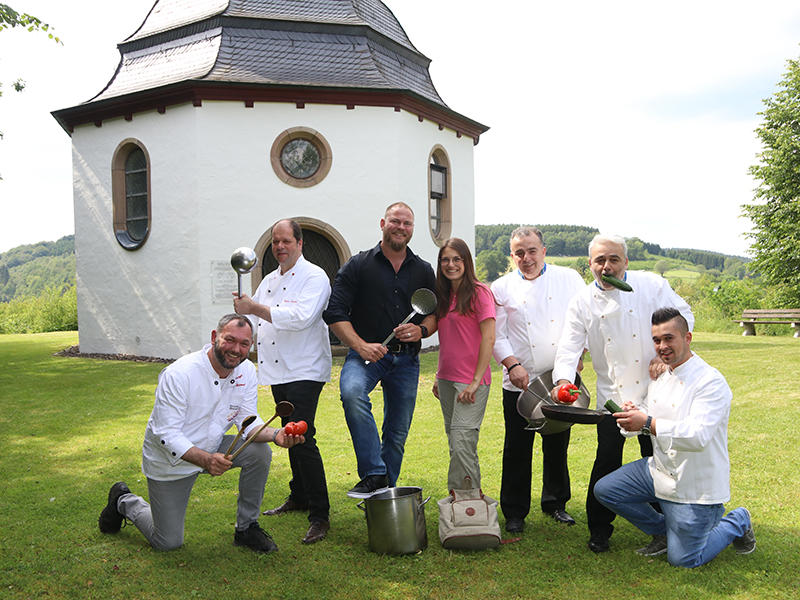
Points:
[[571, 414]]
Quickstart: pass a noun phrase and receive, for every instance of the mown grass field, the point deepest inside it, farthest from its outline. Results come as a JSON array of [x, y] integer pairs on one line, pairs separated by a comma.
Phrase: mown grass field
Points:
[[71, 427]]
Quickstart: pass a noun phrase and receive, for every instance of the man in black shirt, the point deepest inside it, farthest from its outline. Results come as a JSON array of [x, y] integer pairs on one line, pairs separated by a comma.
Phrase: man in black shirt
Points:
[[371, 295]]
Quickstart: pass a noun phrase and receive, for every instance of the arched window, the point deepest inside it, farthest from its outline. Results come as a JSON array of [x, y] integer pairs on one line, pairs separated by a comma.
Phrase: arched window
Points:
[[440, 202], [130, 182]]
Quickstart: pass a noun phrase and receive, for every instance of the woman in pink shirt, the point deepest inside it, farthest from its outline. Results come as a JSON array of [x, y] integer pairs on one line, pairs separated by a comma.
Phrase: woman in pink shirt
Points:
[[466, 315]]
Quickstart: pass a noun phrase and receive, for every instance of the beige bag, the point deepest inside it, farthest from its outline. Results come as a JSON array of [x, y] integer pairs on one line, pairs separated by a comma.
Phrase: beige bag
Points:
[[468, 520]]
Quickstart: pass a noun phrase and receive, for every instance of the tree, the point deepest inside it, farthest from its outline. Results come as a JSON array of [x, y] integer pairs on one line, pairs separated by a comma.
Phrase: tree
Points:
[[775, 212], [661, 267], [490, 264]]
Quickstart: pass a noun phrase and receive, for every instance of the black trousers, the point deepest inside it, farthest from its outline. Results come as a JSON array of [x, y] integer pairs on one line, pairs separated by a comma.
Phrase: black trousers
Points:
[[610, 443], [515, 488], [308, 486]]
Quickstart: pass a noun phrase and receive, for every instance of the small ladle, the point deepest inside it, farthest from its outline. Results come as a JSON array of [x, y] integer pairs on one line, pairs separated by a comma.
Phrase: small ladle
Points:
[[282, 409], [423, 301], [245, 425]]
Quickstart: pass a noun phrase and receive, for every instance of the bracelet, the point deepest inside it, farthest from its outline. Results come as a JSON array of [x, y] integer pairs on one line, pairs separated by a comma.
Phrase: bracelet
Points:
[[274, 435], [508, 370]]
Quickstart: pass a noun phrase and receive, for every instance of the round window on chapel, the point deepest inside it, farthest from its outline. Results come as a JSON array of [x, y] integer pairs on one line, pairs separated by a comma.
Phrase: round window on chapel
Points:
[[301, 157]]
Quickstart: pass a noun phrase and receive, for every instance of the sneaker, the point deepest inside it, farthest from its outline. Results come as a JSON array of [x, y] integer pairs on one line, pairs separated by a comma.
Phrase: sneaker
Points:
[[255, 538], [369, 486], [111, 519], [745, 544], [658, 545]]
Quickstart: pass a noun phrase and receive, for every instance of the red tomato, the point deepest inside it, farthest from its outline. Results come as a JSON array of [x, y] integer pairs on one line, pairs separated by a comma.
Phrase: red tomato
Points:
[[290, 428], [568, 393], [300, 427]]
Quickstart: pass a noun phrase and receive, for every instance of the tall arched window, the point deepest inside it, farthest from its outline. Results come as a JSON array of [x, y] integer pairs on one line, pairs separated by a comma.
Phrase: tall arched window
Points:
[[130, 181], [440, 203]]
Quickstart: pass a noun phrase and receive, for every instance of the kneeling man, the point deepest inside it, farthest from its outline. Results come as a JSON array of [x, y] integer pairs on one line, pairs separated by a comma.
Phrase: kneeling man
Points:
[[198, 398], [685, 413]]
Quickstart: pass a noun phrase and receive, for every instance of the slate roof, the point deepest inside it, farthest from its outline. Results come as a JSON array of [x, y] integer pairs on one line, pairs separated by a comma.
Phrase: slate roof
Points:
[[331, 51], [325, 43]]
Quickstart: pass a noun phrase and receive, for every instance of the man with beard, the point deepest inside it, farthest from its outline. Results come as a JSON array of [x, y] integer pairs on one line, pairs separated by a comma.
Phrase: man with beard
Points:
[[294, 357], [371, 295], [615, 326], [198, 398]]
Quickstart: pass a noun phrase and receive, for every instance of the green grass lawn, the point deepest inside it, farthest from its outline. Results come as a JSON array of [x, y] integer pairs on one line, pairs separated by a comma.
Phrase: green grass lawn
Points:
[[71, 427]]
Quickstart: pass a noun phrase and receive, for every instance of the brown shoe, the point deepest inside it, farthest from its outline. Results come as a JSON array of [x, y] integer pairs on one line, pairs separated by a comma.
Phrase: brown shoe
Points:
[[316, 532], [288, 506]]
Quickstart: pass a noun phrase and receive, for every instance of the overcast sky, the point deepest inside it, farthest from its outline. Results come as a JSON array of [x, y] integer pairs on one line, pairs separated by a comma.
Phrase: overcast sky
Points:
[[634, 117]]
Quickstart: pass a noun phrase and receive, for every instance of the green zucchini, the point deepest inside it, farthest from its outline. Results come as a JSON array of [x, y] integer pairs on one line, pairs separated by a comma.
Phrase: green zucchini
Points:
[[617, 283], [612, 406]]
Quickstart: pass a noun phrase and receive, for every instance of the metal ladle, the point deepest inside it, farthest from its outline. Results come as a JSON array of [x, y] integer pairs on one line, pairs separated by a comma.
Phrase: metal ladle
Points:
[[423, 301], [282, 409], [243, 260]]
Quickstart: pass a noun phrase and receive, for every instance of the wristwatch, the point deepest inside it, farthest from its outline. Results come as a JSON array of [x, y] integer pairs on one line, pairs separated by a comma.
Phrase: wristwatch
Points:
[[423, 330], [646, 427]]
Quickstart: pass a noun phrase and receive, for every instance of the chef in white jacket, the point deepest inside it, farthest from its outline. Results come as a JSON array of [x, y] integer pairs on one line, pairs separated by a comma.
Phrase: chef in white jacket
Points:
[[686, 414], [615, 325]]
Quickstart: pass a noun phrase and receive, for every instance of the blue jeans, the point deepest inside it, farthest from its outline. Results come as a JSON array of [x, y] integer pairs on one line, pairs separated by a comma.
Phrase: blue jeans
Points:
[[399, 376], [696, 533]]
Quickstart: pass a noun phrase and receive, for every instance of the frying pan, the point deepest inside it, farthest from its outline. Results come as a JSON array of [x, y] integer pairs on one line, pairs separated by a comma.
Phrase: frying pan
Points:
[[532, 401], [567, 413]]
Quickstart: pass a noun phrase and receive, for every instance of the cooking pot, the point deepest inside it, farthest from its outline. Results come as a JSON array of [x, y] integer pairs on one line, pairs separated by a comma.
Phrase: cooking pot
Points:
[[529, 403], [396, 520]]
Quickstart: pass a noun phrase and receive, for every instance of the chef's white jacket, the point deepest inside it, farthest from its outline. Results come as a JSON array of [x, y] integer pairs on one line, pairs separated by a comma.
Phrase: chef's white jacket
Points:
[[530, 317], [295, 346], [691, 405], [616, 325], [194, 406]]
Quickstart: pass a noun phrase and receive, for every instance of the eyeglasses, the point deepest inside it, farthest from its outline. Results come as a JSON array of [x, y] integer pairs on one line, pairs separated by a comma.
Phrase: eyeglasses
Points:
[[446, 260]]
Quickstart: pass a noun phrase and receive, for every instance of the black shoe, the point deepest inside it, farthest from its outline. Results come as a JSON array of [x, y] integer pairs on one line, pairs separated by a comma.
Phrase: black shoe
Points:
[[255, 538], [656, 547], [561, 516], [746, 544], [514, 525], [316, 532], [369, 486], [288, 506], [110, 520], [598, 544]]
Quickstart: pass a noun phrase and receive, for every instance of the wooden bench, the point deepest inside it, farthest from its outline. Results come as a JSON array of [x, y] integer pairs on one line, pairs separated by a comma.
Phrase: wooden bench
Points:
[[761, 316]]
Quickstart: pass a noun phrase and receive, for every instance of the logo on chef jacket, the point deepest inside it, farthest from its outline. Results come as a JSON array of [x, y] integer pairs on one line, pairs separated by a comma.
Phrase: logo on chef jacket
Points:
[[234, 408]]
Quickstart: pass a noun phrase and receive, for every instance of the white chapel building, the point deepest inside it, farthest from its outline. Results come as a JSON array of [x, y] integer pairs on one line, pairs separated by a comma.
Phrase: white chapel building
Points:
[[225, 116]]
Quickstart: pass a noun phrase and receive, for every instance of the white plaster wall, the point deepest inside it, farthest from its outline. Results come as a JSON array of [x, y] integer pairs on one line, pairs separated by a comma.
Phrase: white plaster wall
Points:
[[143, 302], [213, 190]]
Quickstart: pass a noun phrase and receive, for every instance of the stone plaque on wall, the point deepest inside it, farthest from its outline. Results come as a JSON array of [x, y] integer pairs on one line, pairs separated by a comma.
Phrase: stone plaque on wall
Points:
[[224, 282]]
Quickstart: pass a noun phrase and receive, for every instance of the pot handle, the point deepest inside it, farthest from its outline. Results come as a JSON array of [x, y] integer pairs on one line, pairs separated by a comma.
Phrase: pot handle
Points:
[[424, 502], [361, 505]]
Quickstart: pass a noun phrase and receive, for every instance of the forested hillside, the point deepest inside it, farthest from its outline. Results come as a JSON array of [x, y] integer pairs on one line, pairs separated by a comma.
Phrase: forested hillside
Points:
[[491, 249], [30, 269]]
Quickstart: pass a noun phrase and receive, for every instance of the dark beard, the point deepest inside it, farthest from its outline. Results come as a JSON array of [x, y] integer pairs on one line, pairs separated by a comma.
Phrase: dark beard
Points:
[[396, 246], [221, 357]]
